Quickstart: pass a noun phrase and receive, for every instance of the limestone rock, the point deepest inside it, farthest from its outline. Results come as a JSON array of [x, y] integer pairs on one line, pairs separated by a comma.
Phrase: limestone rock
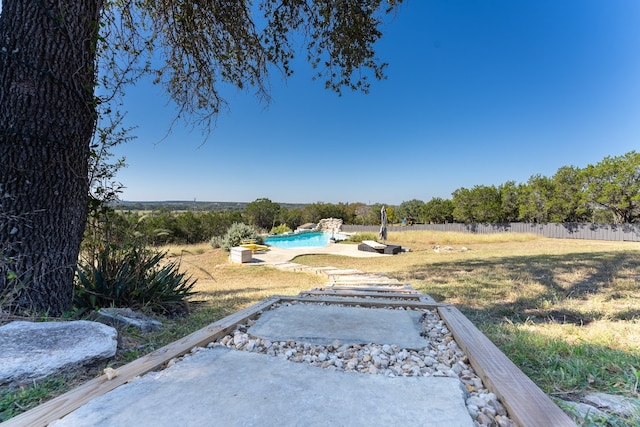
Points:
[[618, 405], [585, 412], [127, 317], [35, 350], [330, 225]]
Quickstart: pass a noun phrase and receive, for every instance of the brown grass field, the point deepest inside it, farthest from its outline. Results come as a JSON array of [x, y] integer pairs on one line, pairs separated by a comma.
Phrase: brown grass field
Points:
[[567, 312]]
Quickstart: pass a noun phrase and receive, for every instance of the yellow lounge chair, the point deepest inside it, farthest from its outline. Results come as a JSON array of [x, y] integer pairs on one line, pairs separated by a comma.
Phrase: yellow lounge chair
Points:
[[254, 247]]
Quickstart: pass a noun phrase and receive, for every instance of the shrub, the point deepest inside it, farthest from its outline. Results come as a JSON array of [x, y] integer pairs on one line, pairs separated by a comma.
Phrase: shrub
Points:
[[359, 237], [216, 241], [237, 233], [133, 277], [280, 229]]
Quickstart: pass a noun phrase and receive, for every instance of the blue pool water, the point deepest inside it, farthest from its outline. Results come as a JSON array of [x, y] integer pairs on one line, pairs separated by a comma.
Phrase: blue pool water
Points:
[[300, 240]]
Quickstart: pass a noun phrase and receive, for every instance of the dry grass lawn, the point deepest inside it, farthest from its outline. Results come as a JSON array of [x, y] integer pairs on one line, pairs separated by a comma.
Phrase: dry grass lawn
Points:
[[567, 312], [231, 287]]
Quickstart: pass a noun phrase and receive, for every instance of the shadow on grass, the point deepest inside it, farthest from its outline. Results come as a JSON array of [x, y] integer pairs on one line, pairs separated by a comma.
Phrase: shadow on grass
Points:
[[533, 287], [502, 295], [627, 315]]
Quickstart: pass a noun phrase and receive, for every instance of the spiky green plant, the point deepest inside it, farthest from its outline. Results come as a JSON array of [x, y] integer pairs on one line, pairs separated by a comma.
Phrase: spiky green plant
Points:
[[133, 277]]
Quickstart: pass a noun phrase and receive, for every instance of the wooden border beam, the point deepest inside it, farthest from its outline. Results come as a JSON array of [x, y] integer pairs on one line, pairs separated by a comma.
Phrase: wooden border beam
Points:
[[408, 297], [364, 302], [526, 403], [380, 289]]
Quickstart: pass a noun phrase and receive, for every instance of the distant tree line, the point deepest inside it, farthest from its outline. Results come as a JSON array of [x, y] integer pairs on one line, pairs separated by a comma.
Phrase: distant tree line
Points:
[[185, 205], [164, 225], [608, 192]]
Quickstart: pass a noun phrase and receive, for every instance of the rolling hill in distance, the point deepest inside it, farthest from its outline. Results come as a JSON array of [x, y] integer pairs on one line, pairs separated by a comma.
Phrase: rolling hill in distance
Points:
[[189, 205]]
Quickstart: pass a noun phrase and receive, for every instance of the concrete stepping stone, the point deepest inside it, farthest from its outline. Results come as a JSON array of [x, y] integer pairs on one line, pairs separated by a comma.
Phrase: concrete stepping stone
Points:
[[227, 387], [340, 272], [364, 279], [322, 325], [289, 266]]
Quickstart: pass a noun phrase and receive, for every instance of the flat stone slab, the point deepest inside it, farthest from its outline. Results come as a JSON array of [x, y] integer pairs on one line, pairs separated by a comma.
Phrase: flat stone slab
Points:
[[35, 350], [390, 287], [619, 405], [289, 266], [363, 282], [323, 324], [114, 316], [227, 387], [361, 277], [341, 272]]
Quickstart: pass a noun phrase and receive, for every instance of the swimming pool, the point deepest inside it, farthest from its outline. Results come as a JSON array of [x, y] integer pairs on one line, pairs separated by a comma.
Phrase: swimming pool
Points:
[[302, 240]]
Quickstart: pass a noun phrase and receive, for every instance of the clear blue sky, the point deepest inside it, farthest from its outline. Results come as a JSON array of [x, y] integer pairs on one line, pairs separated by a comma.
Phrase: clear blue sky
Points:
[[479, 92]]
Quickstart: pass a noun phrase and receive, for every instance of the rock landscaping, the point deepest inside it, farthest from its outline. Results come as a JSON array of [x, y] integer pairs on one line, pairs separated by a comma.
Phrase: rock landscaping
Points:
[[119, 317], [441, 358], [34, 350], [329, 225]]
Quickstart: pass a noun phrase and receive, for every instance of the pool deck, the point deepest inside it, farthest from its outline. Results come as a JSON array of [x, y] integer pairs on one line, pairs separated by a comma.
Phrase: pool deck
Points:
[[278, 255]]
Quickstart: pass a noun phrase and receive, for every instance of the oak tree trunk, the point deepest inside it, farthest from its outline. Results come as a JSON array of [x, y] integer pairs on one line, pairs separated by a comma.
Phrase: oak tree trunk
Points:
[[47, 117]]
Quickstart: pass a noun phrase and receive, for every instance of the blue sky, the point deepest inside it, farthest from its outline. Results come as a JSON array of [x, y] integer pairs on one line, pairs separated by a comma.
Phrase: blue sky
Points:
[[478, 93]]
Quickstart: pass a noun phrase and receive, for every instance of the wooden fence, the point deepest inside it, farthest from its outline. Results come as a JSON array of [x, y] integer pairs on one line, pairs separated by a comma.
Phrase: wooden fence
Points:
[[620, 232]]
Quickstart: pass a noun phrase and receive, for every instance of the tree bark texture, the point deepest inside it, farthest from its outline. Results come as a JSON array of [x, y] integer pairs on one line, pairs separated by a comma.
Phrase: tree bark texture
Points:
[[47, 118]]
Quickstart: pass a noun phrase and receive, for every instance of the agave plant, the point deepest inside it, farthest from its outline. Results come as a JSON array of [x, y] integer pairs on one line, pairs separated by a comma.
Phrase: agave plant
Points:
[[133, 277]]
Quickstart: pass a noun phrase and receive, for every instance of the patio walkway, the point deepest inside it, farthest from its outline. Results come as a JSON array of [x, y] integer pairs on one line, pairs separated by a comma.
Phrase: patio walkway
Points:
[[279, 255]]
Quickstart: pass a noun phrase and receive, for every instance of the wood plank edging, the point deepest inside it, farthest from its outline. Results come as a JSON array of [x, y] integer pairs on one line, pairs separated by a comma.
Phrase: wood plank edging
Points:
[[363, 302], [370, 294], [58, 407], [525, 402], [400, 288]]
